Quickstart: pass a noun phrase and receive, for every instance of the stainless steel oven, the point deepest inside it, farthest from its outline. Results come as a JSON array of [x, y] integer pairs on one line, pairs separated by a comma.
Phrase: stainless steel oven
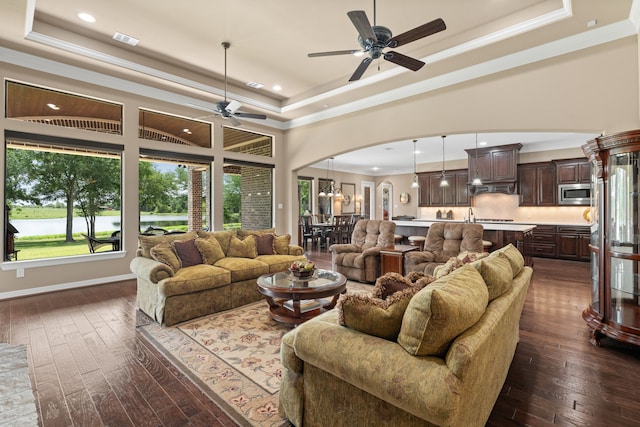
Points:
[[574, 194]]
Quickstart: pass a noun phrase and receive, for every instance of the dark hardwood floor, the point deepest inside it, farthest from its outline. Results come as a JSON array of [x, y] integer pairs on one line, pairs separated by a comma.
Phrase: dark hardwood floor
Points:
[[90, 366]]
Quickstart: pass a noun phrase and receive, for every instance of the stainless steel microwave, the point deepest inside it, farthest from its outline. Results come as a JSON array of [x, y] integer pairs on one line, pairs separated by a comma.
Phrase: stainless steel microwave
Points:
[[574, 194]]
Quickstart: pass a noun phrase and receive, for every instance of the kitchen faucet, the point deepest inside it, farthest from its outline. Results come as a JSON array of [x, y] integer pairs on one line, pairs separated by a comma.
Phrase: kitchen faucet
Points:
[[470, 215]]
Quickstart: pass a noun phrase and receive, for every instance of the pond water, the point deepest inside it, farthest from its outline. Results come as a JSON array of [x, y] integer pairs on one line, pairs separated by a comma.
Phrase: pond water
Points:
[[40, 227]]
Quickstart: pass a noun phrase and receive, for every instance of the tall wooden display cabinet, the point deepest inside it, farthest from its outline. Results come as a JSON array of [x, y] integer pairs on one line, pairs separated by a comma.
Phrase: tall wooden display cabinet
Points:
[[615, 237]]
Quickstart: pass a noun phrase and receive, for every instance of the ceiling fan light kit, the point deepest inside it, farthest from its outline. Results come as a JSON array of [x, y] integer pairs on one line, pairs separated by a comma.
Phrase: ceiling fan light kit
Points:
[[373, 39], [229, 109]]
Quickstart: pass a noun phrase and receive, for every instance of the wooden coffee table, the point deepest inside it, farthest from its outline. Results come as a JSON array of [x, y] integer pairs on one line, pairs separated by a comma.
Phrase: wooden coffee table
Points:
[[284, 288]]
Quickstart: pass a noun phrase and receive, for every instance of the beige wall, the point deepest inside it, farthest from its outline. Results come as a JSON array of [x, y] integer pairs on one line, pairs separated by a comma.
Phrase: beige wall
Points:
[[592, 90]]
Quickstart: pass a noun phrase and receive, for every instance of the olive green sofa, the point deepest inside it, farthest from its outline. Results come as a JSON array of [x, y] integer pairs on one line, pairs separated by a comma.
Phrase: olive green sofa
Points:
[[430, 375], [224, 276]]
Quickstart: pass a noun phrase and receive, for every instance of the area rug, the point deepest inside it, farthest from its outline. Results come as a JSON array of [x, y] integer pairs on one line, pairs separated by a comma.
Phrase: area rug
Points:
[[17, 402], [234, 357]]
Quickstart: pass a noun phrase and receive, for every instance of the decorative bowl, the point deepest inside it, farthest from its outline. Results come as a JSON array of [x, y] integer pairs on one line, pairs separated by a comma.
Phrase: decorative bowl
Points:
[[299, 273]]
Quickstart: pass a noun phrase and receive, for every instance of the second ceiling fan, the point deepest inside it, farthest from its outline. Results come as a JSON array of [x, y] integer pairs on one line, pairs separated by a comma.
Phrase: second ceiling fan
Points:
[[374, 39]]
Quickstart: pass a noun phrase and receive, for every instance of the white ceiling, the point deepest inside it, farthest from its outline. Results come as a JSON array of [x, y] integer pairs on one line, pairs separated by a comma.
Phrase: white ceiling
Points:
[[180, 53]]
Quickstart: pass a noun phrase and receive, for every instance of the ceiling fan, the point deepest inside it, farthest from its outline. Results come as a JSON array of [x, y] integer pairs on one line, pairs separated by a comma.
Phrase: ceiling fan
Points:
[[373, 39], [228, 109]]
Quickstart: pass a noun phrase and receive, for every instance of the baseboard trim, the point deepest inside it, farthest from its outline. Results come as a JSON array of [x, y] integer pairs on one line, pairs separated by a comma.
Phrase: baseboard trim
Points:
[[65, 286]]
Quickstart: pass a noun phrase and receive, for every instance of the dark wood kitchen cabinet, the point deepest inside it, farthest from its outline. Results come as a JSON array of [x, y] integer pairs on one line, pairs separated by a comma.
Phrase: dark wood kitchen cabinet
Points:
[[456, 194], [543, 243], [573, 242], [537, 184], [495, 164], [573, 171]]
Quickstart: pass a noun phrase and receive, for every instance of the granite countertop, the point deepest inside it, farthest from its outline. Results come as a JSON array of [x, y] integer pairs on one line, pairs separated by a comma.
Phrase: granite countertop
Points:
[[507, 226]]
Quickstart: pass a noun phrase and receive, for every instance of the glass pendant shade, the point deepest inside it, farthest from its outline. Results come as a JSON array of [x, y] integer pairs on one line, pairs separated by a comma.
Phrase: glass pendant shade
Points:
[[476, 180], [443, 178], [415, 183]]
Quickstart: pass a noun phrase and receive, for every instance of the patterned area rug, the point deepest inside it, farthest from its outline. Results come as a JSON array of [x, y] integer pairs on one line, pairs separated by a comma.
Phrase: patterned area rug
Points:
[[17, 402], [234, 357]]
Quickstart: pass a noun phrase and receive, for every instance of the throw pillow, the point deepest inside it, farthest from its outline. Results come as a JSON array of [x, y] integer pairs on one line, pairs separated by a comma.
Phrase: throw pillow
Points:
[[147, 242], [446, 268], [264, 244], [515, 258], [187, 252], [390, 283], [443, 310], [424, 281], [414, 276], [164, 253], [281, 244], [497, 274], [242, 248], [210, 250], [374, 316], [467, 257], [245, 233]]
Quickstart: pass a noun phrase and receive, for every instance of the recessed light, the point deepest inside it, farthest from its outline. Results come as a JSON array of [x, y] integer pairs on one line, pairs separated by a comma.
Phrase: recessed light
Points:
[[186, 130], [277, 87], [86, 17], [482, 143], [53, 106]]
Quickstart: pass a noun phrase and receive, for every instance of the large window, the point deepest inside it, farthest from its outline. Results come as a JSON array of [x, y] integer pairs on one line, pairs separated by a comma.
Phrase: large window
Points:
[[62, 196], [248, 200], [304, 195], [173, 191]]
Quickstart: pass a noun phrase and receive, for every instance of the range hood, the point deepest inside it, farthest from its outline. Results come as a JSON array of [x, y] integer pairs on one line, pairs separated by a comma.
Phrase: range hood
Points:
[[502, 188], [497, 167]]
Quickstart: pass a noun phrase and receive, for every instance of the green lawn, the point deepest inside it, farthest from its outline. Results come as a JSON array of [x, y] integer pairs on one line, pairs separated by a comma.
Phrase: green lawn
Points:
[[40, 212], [54, 246]]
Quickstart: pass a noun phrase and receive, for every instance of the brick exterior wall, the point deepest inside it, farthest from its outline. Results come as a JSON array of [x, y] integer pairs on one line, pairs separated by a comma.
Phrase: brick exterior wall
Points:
[[195, 199]]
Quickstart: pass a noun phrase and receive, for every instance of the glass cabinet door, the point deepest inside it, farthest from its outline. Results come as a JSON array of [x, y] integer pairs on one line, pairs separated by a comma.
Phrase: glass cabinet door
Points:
[[623, 239], [595, 213]]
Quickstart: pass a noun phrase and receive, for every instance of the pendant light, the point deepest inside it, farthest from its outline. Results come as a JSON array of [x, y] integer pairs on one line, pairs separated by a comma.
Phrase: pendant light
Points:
[[323, 193], [415, 183], [330, 193], [443, 179], [476, 180]]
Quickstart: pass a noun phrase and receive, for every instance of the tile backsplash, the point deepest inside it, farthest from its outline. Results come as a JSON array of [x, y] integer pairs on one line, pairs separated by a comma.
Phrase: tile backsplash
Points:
[[505, 206]]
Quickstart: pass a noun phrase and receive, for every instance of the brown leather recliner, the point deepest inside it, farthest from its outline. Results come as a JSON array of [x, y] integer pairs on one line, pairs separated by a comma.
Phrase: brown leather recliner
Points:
[[360, 259], [444, 240]]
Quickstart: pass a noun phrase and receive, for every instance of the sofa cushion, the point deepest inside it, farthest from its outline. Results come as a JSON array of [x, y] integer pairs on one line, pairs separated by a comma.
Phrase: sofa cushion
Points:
[[264, 244], [467, 257], [243, 268], [278, 263], [187, 252], [242, 248], [281, 244], [163, 252], [375, 316], [223, 237], [210, 250], [193, 279], [440, 312], [497, 274], [147, 242]]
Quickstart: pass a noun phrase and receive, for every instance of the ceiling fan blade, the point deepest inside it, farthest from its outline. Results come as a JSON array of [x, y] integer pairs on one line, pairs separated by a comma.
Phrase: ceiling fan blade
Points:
[[404, 60], [361, 69], [251, 116], [425, 30], [234, 121], [233, 106], [362, 24], [334, 52]]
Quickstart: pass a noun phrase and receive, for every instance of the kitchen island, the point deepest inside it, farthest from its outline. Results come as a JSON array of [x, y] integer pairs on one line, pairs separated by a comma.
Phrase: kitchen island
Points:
[[499, 234]]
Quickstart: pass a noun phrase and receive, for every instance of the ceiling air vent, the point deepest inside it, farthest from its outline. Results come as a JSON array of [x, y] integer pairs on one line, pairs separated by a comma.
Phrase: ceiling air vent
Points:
[[131, 41]]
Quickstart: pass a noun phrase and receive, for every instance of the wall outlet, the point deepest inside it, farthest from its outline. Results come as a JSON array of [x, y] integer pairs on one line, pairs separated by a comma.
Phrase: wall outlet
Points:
[[20, 272]]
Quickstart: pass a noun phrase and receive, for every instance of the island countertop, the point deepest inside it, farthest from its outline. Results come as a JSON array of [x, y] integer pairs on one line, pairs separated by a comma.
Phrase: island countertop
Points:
[[504, 226]]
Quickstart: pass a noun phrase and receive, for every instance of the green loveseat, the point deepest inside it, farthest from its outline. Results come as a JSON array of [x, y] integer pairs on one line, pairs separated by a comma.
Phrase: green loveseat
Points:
[[335, 375], [224, 276]]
